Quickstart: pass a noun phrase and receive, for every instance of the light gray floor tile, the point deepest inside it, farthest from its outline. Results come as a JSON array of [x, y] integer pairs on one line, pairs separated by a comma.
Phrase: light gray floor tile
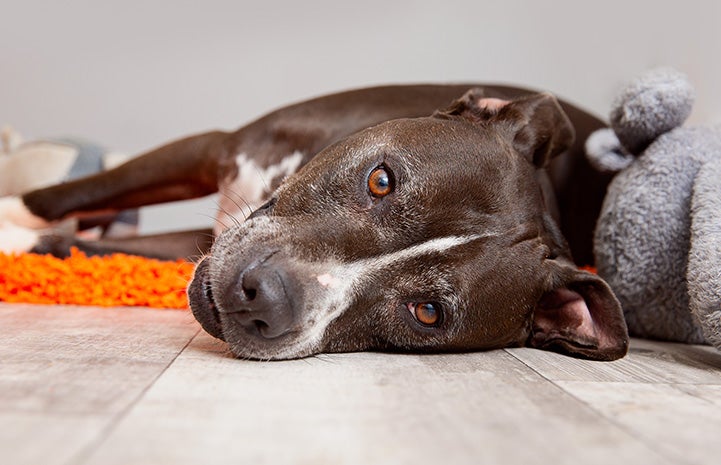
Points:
[[683, 426], [87, 386], [68, 373], [361, 408]]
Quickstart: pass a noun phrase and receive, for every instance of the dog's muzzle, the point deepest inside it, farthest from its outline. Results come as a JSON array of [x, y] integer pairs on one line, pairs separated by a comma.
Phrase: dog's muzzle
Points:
[[260, 301]]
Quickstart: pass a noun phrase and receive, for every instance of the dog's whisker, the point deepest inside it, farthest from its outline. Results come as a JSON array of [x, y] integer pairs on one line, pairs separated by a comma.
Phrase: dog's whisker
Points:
[[240, 208], [226, 214], [325, 359], [211, 217], [205, 234], [262, 179], [201, 253], [242, 199], [215, 219], [222, 223]]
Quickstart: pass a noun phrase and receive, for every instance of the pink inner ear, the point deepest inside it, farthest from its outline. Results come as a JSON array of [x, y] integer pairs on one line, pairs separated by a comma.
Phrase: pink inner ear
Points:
[[583, 319], [564, 314], [492, 104]]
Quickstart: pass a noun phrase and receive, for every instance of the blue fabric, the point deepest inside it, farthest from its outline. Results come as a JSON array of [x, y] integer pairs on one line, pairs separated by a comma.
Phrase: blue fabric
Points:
[[89, 160]]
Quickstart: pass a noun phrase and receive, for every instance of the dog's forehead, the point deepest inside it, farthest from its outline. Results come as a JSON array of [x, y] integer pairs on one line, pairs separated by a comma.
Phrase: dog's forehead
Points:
[[429, 148], [450, 177], [425, 139]]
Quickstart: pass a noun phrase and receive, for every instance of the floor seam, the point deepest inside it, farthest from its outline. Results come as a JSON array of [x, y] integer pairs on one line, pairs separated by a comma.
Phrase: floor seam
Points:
[[601, 414], [83, 455]]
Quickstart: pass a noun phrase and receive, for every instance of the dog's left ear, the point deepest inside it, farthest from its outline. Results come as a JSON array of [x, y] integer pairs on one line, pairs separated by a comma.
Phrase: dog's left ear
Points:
[[536, 125], [579, 316]]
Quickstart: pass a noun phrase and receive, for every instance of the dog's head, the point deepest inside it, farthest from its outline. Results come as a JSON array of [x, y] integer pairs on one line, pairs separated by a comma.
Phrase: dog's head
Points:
[[426, 234]]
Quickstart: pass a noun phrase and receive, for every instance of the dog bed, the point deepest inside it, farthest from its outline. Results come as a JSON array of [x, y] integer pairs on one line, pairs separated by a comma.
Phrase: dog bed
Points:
[[110, 281]]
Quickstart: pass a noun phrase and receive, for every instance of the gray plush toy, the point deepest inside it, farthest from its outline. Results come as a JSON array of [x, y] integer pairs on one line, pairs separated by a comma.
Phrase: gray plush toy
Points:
[[658, 238]]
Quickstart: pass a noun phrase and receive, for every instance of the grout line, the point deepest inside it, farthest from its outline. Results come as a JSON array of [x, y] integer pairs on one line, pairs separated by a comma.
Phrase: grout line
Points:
[[625, 429], [85, 453]]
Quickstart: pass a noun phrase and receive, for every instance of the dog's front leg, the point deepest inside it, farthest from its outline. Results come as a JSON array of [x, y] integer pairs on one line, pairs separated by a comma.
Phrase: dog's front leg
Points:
[[187, 168], [181, 170]]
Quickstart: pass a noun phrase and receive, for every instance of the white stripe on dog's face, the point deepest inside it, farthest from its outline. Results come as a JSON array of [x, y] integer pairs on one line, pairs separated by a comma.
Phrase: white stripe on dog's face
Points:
[[437, 245], [340, 283]]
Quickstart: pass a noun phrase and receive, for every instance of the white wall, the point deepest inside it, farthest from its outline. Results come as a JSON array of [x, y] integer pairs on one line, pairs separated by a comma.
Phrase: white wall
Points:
[[132, 74]]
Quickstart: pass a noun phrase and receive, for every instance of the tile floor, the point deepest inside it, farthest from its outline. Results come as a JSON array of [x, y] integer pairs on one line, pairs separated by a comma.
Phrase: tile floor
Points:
[[86, 386]]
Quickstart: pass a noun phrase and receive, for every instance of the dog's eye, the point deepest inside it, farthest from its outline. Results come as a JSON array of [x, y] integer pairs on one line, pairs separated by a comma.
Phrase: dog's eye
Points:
[[380, 182], [427, 313]]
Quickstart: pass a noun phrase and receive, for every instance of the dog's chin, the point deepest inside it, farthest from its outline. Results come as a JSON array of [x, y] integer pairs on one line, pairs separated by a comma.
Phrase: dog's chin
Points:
[[249, 347]]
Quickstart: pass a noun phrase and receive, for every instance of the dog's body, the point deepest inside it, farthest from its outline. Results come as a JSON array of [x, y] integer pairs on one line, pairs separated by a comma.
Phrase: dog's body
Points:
[[445, 220]]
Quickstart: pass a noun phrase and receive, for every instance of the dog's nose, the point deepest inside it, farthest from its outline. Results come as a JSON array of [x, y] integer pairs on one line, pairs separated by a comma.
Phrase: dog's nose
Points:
[[263, 301]]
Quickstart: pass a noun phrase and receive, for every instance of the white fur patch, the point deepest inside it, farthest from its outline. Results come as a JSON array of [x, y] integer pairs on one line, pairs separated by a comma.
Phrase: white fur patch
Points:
[[251, 188], [437, 245], [16, 239], [14, 211], [328, 280]]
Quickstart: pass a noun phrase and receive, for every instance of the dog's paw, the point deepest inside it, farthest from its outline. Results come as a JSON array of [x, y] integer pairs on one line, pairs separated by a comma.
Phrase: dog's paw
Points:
[[14, 211], [15, 239], [20, 230]]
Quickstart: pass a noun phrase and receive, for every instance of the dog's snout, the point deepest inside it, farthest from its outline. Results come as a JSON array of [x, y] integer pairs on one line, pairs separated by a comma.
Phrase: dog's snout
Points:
[[263, 304]]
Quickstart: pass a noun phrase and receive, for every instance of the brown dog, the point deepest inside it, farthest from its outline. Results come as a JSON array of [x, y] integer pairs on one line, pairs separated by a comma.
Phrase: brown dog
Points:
[[429, 233]]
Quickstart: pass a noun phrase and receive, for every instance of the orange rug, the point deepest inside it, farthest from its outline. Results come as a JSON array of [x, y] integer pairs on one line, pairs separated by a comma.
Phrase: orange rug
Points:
[[110, 281], [115, 280]]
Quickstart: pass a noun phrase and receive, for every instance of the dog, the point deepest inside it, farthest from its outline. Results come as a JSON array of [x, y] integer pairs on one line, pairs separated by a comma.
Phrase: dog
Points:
[[425, 218]]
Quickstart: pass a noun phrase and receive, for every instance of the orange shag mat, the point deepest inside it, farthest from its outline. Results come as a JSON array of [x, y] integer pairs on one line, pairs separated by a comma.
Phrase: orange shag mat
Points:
[[110, 281]]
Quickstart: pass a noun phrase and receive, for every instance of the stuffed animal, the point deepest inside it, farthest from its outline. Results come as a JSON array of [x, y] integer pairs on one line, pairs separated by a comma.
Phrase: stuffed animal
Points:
[[31, 165], [658, 237]]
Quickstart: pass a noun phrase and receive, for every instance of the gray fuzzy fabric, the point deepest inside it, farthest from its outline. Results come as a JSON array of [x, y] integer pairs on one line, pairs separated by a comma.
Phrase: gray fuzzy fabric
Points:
[[651, 105], [704, 260], [658, 237], [605, 153], [642, 237]]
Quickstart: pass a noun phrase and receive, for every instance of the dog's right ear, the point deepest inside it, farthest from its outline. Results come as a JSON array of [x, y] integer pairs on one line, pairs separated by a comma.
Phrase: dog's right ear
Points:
[[536, 125], [579, 316]]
